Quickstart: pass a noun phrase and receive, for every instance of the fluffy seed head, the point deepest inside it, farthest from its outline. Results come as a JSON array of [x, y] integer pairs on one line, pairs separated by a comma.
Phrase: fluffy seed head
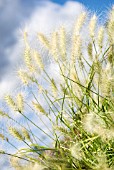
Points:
[[79, 23], [54, 87], [44, 40], [107, 75], [20, 102], [14, 132], [25, 35], [73, 74], [62, 42], [28, 59], [23, 76], [94, 124], [92, 25], [3, 114], [102, 161], [76, 151], [76, 48], [39, 108], [2, 136], [26, 134], [14, 161], [38, 60], [90, 51], [110, 26], [100, 37], [11, 102], [54, 45]]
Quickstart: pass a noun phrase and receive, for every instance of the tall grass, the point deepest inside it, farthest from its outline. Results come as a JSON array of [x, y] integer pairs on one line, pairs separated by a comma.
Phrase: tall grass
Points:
[[79, 100]]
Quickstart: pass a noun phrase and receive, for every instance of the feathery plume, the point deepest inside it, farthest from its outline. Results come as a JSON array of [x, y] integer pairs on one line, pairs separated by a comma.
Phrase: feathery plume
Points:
[[11, 102], [2, 136], [54, 87], [54, 45], [20, 102], [62, 42], [14, 132], [25, 78], [43, 39], [38, 59], [92, 26], [102, 161], [100, 37], [76, 48], [73, 74], [79, 23], [76, 151], [3, 114], [90, 51], [110, 26], [14, 161], [25, 35], [26, 134], [28, 59], [39, 108], [27, 54], [107, 75]]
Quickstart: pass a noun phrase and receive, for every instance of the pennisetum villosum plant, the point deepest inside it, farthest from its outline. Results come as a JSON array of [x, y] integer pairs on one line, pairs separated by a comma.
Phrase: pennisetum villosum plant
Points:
[[77, 102]]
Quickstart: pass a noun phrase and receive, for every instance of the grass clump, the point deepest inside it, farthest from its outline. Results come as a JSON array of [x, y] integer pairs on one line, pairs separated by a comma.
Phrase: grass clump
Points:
[[79, 101]]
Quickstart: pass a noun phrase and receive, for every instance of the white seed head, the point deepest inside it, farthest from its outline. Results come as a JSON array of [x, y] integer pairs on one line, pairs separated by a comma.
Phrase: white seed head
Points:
[[79, 23], [23, 76], [25, 36], [92, 25], [54, 87], [90, 51], [3, 114], [11, 102], [14, 132], [54, 45], [62, 42], [38, 59], [100, 37], [26, 134], [92, 123], [106, 80], [28, 59], [14, 161], [43, 39], [110, 26], [76, 48], [20, 102], [76, 151], [102, 161], [39, 108]]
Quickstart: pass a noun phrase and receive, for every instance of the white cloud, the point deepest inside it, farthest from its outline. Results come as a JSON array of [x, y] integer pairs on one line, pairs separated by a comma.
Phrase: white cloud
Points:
[[48, 17]]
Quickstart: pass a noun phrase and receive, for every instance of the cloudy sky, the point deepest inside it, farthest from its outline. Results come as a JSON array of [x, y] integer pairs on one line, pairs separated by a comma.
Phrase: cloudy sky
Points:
[[35, 16]]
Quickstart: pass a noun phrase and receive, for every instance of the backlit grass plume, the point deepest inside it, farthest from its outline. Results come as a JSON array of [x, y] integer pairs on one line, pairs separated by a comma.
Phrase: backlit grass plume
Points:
[[67, 120]]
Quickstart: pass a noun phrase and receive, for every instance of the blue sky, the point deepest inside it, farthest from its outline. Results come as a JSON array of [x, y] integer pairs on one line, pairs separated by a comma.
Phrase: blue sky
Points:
[[96, 5]]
